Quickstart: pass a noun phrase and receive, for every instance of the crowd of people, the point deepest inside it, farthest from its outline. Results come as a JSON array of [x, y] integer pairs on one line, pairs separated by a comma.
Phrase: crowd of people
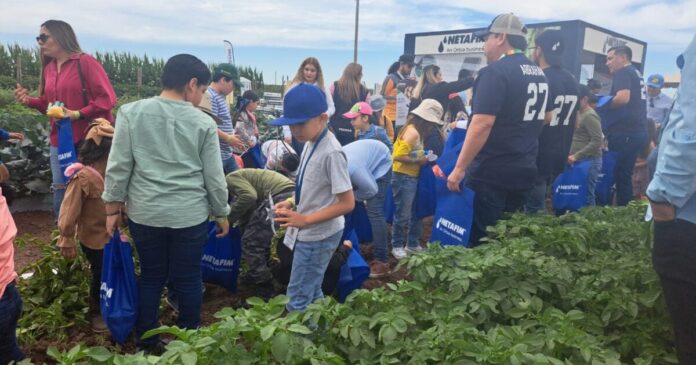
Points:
[[168, 165]]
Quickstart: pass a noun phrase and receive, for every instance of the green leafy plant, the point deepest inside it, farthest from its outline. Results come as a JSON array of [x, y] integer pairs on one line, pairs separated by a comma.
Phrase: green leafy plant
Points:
[[576, 289], [55, 295]]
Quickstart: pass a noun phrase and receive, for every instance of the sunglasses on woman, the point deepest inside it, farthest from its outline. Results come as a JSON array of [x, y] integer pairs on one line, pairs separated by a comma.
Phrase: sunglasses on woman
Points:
[[42, 38]]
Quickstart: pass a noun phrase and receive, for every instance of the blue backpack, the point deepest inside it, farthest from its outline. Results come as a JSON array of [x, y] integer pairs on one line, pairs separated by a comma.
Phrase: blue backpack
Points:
[[118, 295], [221, 256]]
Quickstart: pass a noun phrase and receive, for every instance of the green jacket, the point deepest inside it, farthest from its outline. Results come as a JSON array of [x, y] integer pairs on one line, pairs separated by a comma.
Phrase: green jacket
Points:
[[249, 188]]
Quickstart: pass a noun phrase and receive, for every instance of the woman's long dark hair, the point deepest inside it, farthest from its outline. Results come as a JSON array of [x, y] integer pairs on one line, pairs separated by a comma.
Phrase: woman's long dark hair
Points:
[[64, 35], [393, 68], [422, 126]]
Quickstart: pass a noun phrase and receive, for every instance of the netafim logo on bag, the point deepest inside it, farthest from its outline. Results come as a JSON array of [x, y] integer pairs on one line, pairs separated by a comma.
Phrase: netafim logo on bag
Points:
[[105, 291], [217, 264], [568, 189], [451, 226]]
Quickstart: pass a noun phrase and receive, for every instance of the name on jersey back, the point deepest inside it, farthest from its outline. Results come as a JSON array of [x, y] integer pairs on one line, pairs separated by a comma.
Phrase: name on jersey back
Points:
[[532, 70]]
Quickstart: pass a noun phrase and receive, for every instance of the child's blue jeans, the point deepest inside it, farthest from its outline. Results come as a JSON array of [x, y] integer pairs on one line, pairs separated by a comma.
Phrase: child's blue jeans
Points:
[[310, 261]]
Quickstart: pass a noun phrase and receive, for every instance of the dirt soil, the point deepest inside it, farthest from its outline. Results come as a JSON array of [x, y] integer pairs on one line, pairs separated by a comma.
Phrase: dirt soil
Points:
[[40, 225]]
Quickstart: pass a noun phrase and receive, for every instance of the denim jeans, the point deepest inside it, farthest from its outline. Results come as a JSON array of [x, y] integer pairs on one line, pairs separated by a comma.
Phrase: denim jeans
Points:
[[592, 176], [674, 254], [58, 183], [652, 162], [375, 212], [309, 263], [415, 231], [404, 188], [535, 201], [627, 146], [174, 255], [490, 203], [10, 310], [229, 165]]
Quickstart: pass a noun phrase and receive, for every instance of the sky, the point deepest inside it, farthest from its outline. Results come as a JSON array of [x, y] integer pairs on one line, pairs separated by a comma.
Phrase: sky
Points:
[[276, 35]]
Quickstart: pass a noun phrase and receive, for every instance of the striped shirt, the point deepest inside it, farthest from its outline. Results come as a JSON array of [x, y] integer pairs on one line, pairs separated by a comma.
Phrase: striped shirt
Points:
[[222, 110]]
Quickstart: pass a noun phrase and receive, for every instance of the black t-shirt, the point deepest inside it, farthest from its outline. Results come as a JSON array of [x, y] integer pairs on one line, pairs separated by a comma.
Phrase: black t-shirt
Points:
[[515, 91], [339, 125], [442, 90], [629, 78], [556, 137]]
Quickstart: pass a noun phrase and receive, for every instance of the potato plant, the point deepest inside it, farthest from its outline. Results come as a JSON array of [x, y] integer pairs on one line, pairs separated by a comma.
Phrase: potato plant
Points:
[[578, 289]]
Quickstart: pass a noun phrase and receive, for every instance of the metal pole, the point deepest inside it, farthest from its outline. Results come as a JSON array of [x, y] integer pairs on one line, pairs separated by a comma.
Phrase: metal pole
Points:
[[355, 44]]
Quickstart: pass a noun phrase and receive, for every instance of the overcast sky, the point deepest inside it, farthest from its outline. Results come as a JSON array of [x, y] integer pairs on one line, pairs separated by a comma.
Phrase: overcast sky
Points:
[[276, 35]]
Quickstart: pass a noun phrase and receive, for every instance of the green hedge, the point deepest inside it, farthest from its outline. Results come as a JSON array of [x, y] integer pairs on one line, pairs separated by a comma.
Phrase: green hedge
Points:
[[579, 289]]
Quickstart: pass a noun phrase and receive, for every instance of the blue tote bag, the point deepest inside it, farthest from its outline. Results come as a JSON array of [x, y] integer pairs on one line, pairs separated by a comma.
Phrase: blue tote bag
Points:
[[257, 155], [221, 256], [118, 295], [424, 206], [570, 187], [605, 181], [450, 153], [389, 205], [66, 147], [453, 216], [360, 222], [354, 272]]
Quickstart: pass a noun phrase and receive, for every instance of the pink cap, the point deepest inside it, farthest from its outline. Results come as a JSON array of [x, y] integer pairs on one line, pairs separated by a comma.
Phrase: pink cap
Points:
[[360, 108]]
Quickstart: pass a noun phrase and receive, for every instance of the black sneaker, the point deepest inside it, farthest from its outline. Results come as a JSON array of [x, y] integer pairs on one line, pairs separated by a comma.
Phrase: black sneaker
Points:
[[157, 349]]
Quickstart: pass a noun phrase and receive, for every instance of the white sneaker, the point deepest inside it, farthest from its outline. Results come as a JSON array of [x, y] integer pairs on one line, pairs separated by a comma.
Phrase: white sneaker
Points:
[[412, 250], [399, 253]]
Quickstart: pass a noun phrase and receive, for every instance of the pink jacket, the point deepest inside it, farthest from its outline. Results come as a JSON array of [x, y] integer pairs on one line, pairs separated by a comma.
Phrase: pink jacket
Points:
[[8, 231]]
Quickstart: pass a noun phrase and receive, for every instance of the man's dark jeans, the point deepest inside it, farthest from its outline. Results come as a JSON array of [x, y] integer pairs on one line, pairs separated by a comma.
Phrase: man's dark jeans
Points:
[[174, 255], [674, 259], [490, 203], [627, 146]]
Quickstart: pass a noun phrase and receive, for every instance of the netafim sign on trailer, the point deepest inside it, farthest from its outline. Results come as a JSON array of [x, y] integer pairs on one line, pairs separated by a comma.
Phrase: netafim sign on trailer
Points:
[[585, 54]]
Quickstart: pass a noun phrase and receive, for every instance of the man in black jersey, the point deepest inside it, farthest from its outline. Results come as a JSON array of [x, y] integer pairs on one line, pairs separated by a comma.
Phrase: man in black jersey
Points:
[[509, 104], [559, 122], [628, 135]]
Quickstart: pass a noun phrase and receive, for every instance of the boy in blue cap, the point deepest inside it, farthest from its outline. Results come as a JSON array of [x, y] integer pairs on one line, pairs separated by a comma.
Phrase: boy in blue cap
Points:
[[323, 194]]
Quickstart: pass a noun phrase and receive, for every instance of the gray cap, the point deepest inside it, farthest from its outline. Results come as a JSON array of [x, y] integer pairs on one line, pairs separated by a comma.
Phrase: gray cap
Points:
[[377, 103], [507, 23]]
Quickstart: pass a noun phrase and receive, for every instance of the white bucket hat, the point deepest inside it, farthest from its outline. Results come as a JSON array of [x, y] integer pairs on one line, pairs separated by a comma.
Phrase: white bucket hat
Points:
[[430, 110]]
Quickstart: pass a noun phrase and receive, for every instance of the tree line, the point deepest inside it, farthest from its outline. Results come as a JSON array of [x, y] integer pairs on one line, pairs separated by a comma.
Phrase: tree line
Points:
[[122, 68]]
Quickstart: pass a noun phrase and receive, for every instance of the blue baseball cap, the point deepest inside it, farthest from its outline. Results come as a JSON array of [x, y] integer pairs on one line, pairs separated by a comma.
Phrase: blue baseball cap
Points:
[[656, 81], [302, 103]]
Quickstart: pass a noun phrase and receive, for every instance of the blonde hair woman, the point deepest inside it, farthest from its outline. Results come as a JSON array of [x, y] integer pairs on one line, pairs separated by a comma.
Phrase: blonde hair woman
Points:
[[310, 73], [431, 86]]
